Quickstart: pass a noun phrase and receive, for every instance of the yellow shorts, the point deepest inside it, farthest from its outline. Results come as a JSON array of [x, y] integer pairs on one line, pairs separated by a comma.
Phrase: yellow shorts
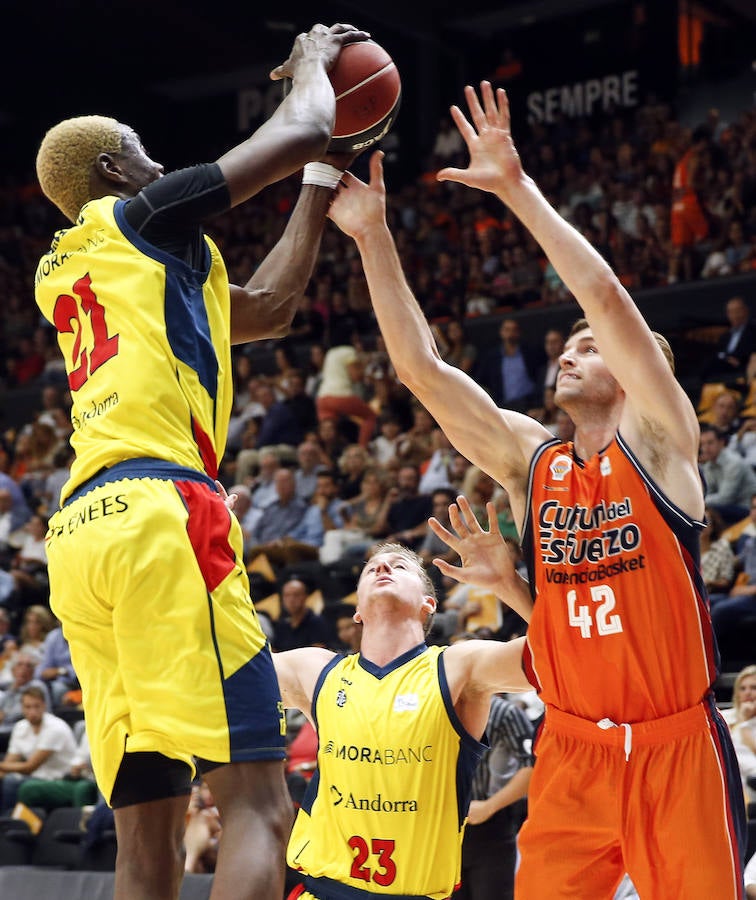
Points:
[[147, 578]]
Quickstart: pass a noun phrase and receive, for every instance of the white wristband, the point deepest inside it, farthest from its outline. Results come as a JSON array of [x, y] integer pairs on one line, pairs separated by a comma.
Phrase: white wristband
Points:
[[321, 174]]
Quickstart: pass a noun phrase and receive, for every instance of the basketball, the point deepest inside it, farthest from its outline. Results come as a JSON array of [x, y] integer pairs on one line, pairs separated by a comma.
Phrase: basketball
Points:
[[368, 91]]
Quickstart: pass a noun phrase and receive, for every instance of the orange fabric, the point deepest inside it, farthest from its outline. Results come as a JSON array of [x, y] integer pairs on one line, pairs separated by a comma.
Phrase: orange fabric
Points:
[[617, 593], [592, 814]]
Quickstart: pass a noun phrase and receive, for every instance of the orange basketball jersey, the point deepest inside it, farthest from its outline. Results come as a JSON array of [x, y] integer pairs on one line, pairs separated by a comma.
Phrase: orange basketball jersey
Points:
[[621, 626]]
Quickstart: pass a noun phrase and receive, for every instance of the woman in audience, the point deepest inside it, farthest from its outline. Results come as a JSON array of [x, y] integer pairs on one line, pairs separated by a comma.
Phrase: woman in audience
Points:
[[741, 718]]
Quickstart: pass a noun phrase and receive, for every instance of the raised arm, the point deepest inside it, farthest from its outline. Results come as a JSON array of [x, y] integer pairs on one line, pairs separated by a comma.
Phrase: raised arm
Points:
[[300, 128], [500, 442], [296, 133], [655, 402]]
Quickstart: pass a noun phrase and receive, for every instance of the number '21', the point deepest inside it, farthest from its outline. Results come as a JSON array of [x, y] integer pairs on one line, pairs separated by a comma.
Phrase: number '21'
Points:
[[67, 321], [379, 848]]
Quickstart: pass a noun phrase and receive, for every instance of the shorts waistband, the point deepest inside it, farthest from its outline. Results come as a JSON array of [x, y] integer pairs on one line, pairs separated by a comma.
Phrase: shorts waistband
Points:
[[328, 889], [143, 467], [652, 731]]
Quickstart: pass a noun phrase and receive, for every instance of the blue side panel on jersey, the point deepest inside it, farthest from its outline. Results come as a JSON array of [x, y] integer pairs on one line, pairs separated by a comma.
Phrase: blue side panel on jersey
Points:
[[188, 329], [186, 321]]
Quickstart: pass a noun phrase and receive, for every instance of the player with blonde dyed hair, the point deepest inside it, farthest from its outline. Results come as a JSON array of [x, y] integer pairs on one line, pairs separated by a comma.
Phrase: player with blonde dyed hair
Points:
[[145, 561], [67, 155]]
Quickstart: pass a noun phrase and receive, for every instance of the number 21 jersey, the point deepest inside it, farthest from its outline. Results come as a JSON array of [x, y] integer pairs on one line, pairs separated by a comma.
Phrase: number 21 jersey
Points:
[[146, 343]]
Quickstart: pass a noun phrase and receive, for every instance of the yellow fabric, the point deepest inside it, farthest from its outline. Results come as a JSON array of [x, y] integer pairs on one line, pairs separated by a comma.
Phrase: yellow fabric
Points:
[[152, 643], [140, 334], [393, 773]]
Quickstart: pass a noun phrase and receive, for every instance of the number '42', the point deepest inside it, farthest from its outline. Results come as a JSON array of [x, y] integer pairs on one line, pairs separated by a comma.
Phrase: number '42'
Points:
[[67, 319], [582, 618]]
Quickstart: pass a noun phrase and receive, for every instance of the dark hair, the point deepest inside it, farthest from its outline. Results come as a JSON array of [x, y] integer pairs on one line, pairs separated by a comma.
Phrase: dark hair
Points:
[[708, 427], [34, 691]]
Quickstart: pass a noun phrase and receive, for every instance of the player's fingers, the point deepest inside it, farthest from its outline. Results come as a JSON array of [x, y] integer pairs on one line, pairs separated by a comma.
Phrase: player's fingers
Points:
[[469, 516], [464, 127], [503, 106], [455, 572], [476, 110], [489, 103], [438, 529], [376, 170], [493, 519], [458, 522]]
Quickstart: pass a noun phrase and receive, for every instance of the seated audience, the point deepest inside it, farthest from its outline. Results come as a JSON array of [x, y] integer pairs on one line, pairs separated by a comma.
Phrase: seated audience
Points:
[[41, 746], [730, 480], [298, 625]]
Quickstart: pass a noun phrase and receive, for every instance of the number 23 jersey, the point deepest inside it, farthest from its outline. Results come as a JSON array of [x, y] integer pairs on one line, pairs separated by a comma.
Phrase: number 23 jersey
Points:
[[146, 343], [385, 810], [621, 624]]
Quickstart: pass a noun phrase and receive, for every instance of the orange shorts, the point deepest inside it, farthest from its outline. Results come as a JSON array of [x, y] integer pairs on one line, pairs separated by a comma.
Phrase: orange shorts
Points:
[[670, 813], [687, 222]]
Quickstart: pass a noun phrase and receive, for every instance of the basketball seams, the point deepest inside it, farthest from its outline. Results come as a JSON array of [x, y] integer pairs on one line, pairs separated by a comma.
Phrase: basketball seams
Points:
[[389, 65]]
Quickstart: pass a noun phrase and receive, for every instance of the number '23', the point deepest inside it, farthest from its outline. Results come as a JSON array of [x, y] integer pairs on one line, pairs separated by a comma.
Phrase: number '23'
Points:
[[67, 320], [385, 867]]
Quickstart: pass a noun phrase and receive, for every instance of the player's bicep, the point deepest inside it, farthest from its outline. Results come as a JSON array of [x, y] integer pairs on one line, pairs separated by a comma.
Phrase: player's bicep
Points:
[[497, 666]]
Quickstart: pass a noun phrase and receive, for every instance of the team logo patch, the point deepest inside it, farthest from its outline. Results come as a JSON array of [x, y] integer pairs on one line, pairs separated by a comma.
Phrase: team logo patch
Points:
[[606, 466], [341, 697], [406, 703], [560, 466]]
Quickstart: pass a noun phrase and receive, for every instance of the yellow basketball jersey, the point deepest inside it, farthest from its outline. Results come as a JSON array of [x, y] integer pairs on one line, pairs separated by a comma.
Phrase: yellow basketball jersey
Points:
[[385, 811], [146, 344]]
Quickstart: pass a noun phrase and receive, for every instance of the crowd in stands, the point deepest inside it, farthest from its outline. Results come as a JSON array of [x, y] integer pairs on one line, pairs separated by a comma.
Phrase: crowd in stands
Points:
[[329, 454]]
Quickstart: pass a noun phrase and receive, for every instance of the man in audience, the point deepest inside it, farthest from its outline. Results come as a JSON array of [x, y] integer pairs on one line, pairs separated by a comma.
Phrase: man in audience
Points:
[[11, 711], [407, 516], [508, 371], [298, 625], [41, 745], [736, 345], [55, 667], [730, 479]]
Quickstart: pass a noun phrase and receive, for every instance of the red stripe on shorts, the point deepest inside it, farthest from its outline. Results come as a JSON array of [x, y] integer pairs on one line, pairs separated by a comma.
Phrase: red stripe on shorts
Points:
[[207, 528]]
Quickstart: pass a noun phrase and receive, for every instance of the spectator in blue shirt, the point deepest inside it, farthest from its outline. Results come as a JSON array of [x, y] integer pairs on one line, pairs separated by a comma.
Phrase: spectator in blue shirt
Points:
[[55, 667]]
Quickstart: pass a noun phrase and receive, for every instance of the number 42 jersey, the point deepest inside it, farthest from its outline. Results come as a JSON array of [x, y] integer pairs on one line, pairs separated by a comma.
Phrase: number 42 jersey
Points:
[[146, 343], [621, 624], [385, 810]]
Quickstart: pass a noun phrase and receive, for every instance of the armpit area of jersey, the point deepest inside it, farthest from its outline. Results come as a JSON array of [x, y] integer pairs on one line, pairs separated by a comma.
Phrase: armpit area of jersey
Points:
[[169, 213]]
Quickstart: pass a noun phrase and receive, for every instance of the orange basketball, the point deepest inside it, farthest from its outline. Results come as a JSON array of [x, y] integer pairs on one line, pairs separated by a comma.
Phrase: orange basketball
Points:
[[368, 91]]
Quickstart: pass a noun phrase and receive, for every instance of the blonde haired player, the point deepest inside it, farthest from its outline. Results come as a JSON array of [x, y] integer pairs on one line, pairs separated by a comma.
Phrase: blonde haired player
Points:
[[399, 728], [145, 561]]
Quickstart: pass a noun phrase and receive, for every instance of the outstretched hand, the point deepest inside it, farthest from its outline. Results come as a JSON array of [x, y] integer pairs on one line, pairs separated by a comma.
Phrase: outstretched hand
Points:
[[358, 206], [486, 559], [320, 41], [494, 160]]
